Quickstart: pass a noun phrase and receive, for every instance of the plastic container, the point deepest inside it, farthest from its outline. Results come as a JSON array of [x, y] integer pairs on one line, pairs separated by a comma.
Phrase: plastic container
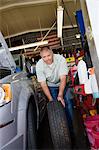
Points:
[[94, 86], [82, 72], [91, 122]]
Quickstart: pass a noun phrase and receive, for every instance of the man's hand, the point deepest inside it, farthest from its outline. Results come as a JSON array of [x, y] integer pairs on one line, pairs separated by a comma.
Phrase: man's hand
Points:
[[60, 98]]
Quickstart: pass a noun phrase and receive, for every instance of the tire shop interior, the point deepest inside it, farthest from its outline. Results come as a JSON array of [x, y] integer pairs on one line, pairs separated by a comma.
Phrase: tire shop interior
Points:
[[26, 25]]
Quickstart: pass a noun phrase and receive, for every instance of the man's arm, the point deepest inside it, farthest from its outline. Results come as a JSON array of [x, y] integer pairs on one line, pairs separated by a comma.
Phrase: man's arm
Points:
[[63, 71], [46, 90], [42, 79], [61, 89], [62, 85]]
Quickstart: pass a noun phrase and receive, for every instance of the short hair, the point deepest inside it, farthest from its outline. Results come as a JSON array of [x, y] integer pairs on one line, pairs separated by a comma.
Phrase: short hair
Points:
[[44, 48]]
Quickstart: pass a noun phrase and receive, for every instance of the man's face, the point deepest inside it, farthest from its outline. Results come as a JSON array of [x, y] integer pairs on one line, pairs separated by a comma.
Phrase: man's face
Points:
[[47, 56]]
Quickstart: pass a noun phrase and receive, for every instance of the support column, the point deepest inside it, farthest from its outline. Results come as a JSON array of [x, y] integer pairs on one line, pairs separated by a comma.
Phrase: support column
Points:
[[90, 9]]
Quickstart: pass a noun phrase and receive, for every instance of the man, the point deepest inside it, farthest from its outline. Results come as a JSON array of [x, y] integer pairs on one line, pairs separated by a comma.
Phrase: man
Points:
[[51, 72]]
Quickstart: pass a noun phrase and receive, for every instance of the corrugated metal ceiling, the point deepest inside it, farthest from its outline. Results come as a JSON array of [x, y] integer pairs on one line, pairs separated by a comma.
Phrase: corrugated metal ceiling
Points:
[[23, 16]]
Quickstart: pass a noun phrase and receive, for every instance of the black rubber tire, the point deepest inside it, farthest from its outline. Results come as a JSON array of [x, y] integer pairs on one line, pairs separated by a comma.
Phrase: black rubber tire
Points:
[[58, 126], [4, 72], [31, 128]]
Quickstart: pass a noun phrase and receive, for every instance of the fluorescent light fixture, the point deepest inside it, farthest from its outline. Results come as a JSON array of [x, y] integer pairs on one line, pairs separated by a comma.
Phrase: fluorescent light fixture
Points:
[[59, 20], [28, 45], [77, 36]]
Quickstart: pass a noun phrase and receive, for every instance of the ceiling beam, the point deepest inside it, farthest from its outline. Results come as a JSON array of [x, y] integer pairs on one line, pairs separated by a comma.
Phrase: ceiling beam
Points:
[[25, 3], [32, 2], [37, 30]]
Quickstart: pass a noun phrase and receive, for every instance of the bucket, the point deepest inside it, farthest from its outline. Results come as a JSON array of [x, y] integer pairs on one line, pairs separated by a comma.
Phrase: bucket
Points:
[[90, 123]]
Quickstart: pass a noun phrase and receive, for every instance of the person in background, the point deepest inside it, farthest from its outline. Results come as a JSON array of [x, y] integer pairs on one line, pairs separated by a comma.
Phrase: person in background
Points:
[[51, 71]]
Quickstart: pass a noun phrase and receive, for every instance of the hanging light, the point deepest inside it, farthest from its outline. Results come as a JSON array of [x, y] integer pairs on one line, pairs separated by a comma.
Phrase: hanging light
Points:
[[59, 20]]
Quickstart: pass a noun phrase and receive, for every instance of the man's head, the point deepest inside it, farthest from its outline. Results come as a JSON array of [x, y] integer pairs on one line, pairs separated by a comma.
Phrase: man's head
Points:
[[47, 55]]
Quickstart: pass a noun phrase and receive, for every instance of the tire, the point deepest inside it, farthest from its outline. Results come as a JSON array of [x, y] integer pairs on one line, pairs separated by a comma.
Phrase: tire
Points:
[[4, 72], [58, 126], [31, 127]]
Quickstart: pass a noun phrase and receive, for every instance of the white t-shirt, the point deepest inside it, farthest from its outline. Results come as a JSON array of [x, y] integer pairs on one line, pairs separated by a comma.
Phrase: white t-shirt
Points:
[[51, 73]]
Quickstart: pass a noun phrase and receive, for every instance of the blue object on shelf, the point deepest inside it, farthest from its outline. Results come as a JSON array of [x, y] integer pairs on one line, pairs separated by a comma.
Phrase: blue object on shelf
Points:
[[18, 69]]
